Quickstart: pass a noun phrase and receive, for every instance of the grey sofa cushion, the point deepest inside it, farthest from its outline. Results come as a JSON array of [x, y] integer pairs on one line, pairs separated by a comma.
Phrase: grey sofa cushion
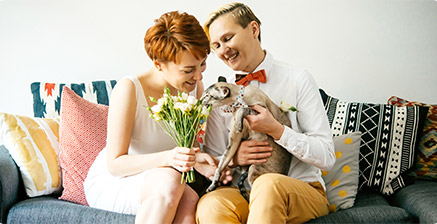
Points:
[[9, 183], [370, 207], [53, 210], [419, 200]]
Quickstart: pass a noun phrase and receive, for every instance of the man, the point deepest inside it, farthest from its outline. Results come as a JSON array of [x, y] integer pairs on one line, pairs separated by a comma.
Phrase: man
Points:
[[234, 32]]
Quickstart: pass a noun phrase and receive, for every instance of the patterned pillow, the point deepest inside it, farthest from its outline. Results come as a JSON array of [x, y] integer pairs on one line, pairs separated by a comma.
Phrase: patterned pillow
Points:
[[388, 140], [426, 158], [342, 180], [82, 137], [33, 144], [47, 96]]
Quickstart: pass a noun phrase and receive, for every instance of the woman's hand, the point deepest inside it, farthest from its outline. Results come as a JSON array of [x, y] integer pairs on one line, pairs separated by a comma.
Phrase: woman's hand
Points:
[[265, 122], [182, 158], [206, 165], [252, 152]]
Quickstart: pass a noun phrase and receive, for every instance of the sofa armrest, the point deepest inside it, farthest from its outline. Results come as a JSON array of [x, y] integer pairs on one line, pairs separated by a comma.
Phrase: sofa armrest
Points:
[[9, 183]]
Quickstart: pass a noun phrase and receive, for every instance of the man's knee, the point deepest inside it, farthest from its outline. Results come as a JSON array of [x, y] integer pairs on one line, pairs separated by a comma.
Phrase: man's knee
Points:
[[224, 205]]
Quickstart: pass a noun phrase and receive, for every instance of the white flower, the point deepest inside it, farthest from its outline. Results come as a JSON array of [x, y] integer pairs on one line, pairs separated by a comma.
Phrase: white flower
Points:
[[178, 105], [156, 109], [285, 106], [184, 96], [162, 101], [156, 117], [205, 111], [185, 107], [192, 100]]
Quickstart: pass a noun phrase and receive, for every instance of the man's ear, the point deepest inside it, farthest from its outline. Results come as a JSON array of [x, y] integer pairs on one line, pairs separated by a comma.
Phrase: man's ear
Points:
[[254, 28]]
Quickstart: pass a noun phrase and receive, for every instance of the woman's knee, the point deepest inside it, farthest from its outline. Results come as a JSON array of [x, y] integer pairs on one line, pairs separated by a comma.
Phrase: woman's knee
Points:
[[163, 183]]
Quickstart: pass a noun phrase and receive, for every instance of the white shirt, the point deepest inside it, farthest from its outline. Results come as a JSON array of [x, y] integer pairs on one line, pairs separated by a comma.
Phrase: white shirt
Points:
[[309, 139]]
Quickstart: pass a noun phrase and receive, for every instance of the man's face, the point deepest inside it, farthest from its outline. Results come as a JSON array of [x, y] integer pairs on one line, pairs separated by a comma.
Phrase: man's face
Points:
[[234, 44]]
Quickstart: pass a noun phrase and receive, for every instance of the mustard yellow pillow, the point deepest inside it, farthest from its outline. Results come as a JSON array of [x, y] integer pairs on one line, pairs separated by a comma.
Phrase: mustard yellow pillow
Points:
[[33, 143]]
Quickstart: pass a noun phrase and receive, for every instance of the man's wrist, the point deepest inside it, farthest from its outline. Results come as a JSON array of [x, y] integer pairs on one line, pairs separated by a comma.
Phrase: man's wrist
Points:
[[277, 132]]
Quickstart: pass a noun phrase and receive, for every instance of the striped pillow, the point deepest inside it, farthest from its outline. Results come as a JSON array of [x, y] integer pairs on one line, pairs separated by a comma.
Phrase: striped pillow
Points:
[[33, 143], [47, 96]]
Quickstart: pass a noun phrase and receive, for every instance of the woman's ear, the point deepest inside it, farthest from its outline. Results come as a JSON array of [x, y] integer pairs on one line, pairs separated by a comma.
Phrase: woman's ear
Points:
[[157, 65]]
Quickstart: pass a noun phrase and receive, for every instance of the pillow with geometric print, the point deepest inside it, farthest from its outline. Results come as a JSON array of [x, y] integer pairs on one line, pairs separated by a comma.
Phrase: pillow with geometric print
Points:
[[426, 155], [342, 180], [47, 96], [82, 135], [389, 137]]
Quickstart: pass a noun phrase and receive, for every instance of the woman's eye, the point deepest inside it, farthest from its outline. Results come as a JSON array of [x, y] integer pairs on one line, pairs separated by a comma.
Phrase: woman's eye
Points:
[[228, 38], [187, 71], [216, 46]]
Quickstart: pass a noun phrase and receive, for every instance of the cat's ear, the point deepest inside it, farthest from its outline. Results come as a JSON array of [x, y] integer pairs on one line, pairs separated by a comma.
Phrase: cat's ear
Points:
[[221, 79]]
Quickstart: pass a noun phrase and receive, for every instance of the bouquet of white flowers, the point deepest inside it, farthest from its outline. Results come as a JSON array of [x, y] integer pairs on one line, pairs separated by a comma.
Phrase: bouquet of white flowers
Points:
[[180, 117]]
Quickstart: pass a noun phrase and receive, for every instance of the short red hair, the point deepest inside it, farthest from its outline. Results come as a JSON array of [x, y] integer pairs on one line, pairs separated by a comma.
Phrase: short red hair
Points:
[[173, 33]]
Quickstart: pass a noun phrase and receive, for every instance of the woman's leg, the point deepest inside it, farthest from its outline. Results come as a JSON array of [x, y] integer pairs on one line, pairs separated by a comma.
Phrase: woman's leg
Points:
[[276, 198], [187, 206], [160, 195], [223, 205]]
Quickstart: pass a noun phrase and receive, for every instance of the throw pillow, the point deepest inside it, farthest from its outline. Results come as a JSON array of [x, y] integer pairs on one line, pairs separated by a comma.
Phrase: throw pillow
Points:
[[388, 140], [342, 180], [33, 144], [82, 137], [426, 158], [47, 96]]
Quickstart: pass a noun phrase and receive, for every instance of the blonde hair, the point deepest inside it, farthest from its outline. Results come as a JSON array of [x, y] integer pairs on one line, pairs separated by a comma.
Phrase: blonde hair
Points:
[[242, 13], [173, 33]]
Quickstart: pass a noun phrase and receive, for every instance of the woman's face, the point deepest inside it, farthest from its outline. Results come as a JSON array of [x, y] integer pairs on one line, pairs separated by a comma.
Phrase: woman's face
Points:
[[184, 75], [235, 45]]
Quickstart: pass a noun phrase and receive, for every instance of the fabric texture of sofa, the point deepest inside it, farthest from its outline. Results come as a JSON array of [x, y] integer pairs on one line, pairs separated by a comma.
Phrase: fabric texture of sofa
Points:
[[413, 203]]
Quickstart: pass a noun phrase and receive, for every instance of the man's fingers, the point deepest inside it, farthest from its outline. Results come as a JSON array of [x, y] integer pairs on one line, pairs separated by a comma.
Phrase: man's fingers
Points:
[[253, 143]]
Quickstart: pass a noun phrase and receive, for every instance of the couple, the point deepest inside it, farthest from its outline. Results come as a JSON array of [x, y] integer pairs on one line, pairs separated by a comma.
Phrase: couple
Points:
[[139, 171]]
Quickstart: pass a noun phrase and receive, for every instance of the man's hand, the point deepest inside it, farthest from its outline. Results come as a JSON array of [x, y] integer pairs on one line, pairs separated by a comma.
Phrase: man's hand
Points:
[[252, 152], [265, 122]]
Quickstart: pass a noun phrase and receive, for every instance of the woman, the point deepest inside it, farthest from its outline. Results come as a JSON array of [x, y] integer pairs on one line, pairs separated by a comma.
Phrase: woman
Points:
[[139, 171]]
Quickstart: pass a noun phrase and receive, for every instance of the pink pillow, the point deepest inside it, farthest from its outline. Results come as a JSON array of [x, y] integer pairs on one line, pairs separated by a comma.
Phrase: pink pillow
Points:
[[82, 136]]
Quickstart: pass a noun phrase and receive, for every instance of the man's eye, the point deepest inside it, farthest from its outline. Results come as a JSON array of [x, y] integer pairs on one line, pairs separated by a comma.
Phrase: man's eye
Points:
[[228, 38]]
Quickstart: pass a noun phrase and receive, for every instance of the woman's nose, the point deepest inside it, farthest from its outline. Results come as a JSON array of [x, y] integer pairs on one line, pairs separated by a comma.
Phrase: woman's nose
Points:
[[198, 75]]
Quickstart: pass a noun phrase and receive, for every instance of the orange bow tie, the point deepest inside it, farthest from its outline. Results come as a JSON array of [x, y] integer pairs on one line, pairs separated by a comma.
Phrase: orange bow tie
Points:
[[245, 79]]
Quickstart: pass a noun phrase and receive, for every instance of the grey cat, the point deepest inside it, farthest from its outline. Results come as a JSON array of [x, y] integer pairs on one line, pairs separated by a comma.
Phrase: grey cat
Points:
[[238, 100]]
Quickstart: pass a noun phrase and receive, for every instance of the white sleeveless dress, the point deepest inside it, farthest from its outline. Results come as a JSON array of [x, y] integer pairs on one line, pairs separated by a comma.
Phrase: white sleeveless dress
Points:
[[122, 194]]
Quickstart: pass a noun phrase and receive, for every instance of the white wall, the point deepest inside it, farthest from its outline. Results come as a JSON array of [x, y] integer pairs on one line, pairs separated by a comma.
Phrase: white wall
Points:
[[358, 50]]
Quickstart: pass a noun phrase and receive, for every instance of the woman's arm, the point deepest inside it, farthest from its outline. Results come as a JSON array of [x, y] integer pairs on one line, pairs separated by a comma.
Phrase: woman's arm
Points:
[[120, 124]]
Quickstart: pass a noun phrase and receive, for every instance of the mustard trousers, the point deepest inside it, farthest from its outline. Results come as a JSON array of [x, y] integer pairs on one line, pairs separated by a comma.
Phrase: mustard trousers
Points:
[[274, 198]]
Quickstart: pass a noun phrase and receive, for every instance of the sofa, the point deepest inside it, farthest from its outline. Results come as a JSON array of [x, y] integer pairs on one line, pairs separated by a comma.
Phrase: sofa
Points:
[[413, 202]]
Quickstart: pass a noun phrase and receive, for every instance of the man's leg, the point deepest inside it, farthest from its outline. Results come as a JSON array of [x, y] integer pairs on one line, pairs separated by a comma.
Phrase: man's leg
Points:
[[223, 205], [276, 198]]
